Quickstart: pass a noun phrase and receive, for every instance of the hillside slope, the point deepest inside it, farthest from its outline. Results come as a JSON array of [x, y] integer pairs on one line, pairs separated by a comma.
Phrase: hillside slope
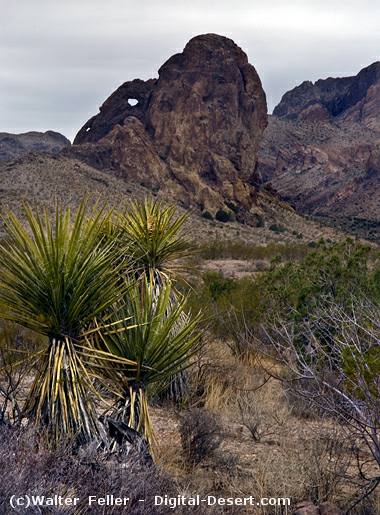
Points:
[[41, 179], [321, 150]]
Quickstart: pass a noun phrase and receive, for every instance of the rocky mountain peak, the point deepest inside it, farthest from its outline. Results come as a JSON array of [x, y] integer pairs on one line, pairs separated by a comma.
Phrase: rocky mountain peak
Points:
[[194, 132], [321, 150]]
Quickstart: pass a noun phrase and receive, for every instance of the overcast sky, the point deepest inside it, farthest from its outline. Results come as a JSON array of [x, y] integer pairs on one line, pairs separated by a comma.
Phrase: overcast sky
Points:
[[60, 59]]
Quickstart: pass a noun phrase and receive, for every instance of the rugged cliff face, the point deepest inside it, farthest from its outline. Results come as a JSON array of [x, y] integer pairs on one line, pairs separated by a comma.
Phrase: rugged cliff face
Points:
[[13, 146], [322, 145], [193, 133]]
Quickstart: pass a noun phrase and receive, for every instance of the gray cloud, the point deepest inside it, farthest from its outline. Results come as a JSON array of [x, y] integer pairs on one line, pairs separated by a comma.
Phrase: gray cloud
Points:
[[59, 60]]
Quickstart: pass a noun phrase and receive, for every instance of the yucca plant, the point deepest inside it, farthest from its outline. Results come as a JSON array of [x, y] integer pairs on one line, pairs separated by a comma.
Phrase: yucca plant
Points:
[[56, 276], [159, 337], [152, 235]]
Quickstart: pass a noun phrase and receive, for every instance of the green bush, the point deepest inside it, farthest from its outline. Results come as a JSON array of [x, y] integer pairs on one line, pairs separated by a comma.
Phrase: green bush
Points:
[[224, 216], [239, 249], [277, 228], [217, 285], [207, 215], [290, 290], [258, 220], [231, 205]]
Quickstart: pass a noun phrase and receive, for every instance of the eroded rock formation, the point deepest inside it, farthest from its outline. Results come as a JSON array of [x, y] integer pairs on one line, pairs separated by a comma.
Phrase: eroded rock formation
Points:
[[194, 132]]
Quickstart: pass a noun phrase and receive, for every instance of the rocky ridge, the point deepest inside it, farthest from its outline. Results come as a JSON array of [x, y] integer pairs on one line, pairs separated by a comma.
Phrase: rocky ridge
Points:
[[353, 99], [14, 146], [321, 150]]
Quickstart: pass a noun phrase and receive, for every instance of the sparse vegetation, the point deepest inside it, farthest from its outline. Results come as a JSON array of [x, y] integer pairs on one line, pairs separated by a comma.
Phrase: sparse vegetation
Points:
[[277, 228], [239, 249], [207, 215], [248, 422]]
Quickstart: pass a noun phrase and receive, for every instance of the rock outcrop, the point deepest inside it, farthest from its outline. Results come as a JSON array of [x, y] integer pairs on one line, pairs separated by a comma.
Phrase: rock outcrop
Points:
[[14, 146], [321, 150], [192, 134]]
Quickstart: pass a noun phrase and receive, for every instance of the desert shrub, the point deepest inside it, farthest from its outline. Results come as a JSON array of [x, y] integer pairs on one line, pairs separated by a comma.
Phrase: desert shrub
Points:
[[277, 228], [224, 216], [226, 462], [251, 417], [231, 205], [258, 220], [301, 405], [207, 215], [242, 309], [340, 359], [217, 284], [239, 249], [14, 342], [200, 435], [305, 469]]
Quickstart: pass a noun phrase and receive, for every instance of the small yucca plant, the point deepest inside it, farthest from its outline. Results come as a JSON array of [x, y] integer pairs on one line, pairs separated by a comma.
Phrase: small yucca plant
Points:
[[56, 276], [159, 337], [153, 236]]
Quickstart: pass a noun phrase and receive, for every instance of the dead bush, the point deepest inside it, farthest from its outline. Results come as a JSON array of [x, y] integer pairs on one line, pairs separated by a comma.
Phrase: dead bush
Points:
[[14, 369], [28, 467], [200, 435], [301, 405], [260, 414]]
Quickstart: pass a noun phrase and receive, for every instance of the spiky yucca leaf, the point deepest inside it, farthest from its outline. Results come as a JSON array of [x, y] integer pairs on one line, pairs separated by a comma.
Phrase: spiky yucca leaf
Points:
[[56, 276], [155, 335], [154, 237]]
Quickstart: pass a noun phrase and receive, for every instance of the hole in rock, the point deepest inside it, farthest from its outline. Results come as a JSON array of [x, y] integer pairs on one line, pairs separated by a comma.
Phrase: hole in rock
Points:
[[133, 101]]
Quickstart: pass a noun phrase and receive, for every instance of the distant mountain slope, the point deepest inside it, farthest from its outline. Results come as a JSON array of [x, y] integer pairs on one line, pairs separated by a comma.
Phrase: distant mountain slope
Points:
[[353, 99], [321, 150], [13, 146]]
